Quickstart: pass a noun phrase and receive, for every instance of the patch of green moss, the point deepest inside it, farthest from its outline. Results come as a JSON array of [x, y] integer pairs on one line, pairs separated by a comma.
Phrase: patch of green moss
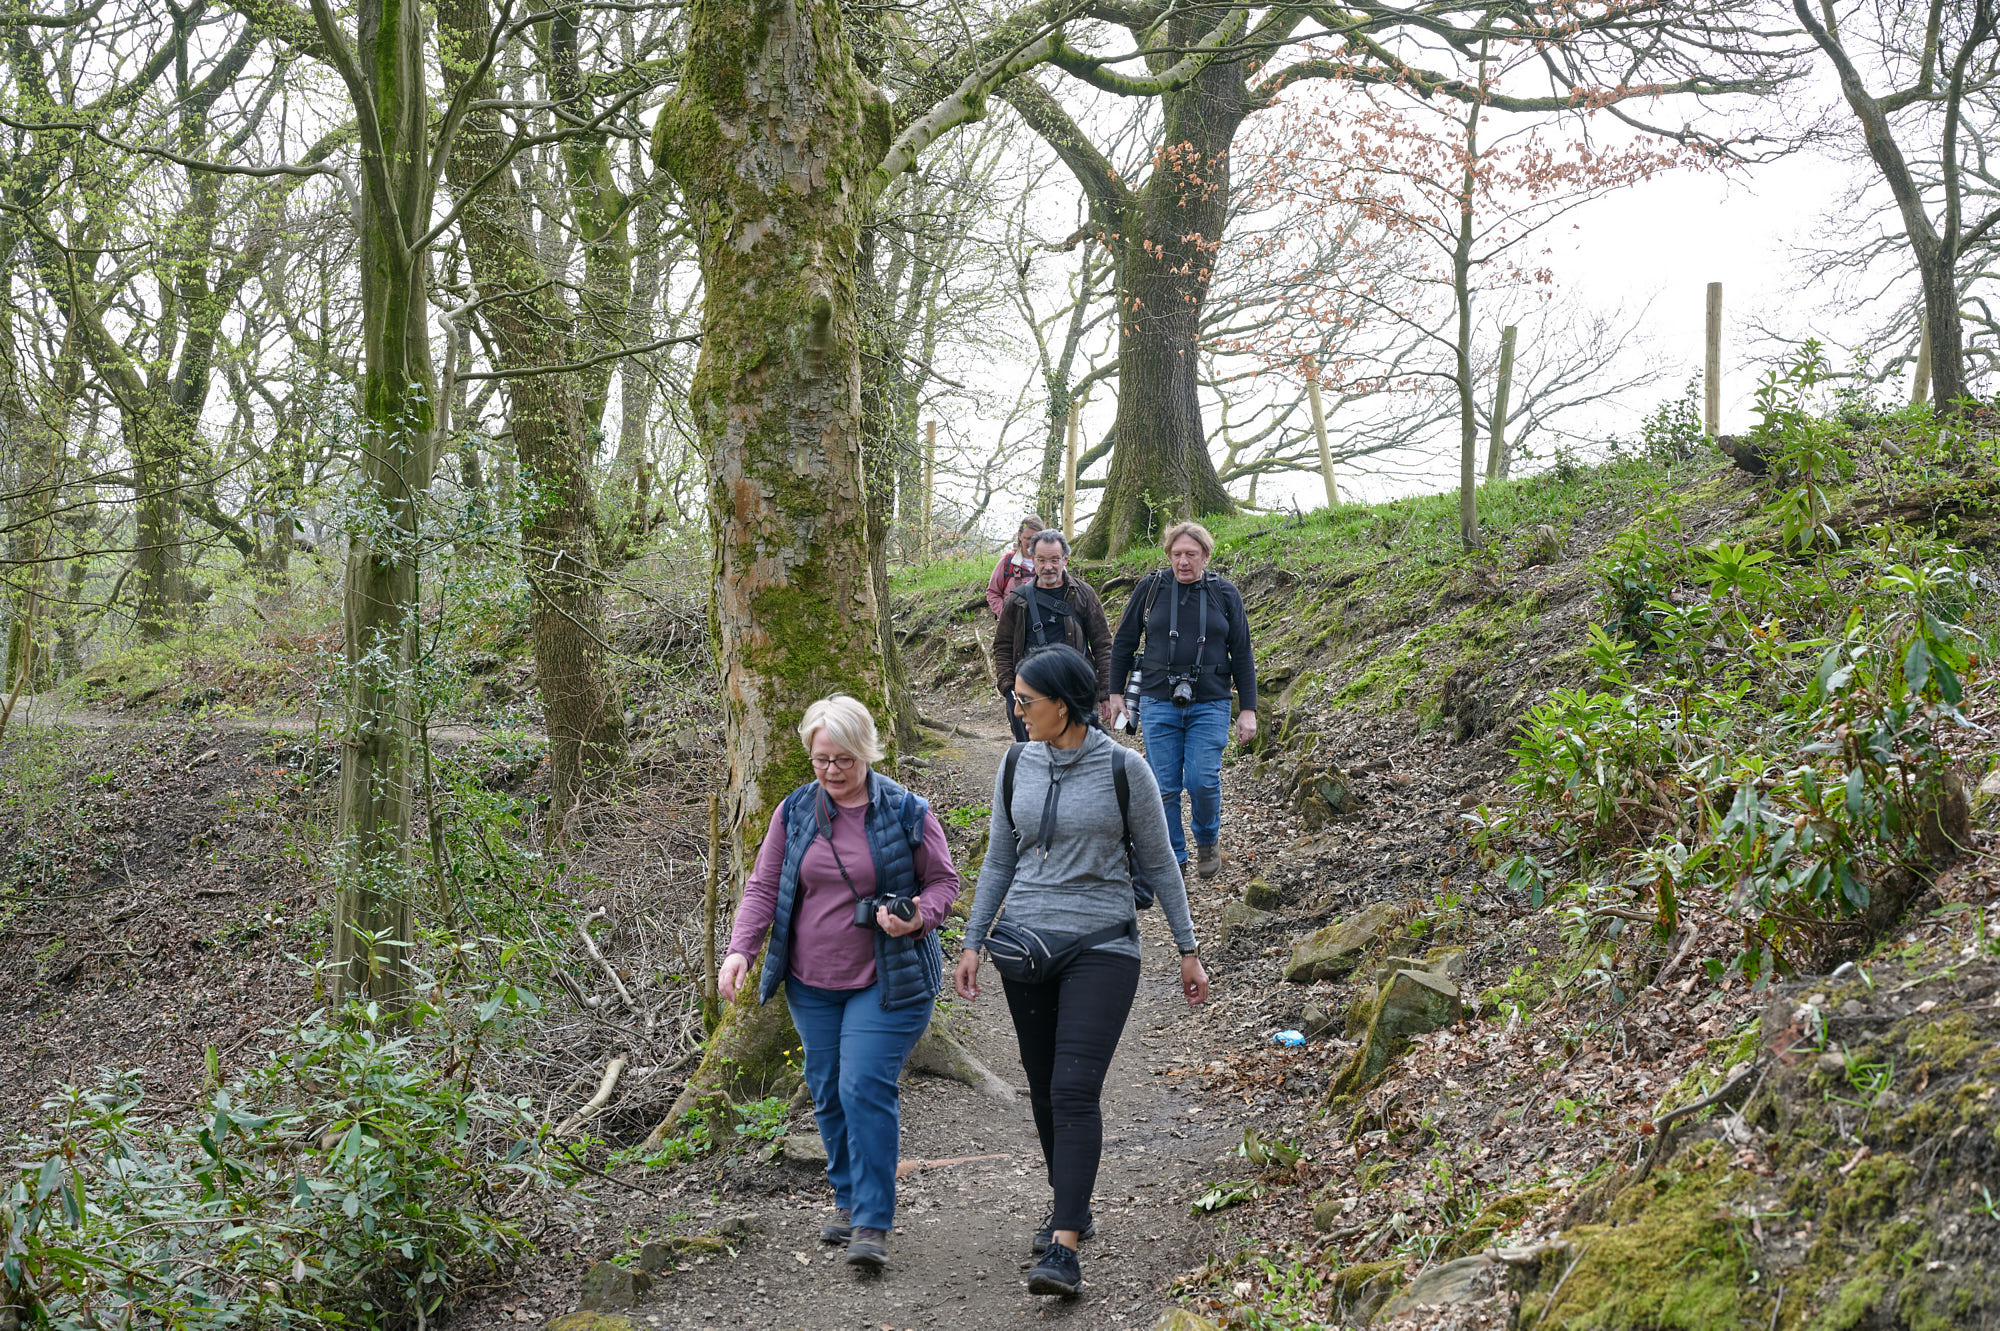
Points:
[[1494, 1219], [1671, 1258]]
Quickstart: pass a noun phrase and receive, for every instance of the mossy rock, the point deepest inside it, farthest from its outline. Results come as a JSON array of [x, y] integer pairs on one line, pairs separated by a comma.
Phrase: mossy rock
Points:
[[1180, 1319], [591, 1321], [1359, 1288], [1411, 1003], [1332, 953], [1260, 895]]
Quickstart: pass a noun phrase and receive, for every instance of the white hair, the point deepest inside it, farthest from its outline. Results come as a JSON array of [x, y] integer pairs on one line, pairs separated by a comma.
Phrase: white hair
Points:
[[846, 722]]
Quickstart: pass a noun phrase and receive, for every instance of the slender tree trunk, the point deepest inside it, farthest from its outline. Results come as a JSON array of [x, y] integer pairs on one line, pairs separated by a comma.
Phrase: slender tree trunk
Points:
[[768, 138], [630, 493], [560, 552], [880, 396], [374, 918], [1461, 289]]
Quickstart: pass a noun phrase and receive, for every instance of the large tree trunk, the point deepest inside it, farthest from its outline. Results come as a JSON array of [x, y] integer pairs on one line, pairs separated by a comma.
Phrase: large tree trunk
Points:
[[1160, 468], [551, 416], [374, 914], [766, 138]]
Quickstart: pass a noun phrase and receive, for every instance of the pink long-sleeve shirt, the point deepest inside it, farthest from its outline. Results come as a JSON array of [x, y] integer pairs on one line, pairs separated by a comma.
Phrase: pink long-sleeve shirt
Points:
[[828, 951], [1012, 570]]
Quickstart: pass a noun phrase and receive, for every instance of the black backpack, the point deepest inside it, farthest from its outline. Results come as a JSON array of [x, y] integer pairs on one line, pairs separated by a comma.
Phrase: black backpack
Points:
[[1142, 890]]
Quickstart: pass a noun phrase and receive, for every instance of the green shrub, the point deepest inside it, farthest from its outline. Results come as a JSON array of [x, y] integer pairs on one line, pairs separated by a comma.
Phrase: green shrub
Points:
[[359, 1176]]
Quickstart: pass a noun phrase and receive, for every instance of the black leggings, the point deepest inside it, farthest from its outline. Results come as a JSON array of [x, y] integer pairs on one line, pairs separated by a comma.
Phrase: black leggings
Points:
[[1068, 1029]]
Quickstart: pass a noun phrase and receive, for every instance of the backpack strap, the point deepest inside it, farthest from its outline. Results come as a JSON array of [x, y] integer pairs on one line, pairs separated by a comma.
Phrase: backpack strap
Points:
[[1123, 785], [1007, 766]]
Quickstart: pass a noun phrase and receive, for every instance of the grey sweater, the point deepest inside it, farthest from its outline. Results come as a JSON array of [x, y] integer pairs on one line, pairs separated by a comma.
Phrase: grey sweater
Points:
[[1082, 883]]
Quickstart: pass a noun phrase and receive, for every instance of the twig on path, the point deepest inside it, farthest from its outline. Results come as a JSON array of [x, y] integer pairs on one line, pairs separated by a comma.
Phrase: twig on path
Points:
[[909, 1167], [946, 728]]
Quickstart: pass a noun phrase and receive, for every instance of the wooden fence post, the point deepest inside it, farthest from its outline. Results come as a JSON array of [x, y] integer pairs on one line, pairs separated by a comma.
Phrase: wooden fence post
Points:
[[1920, 387], [1325, 452], [1712, 396], [1069, 481], [930, 482], [1496, 452]]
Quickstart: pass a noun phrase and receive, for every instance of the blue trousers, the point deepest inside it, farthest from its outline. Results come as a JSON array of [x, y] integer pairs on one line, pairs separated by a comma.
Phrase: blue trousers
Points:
[[854, 1055], [1184, 749]]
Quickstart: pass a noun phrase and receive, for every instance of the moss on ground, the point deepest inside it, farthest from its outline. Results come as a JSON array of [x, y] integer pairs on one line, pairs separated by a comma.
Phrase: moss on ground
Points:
[[1671, 1257]]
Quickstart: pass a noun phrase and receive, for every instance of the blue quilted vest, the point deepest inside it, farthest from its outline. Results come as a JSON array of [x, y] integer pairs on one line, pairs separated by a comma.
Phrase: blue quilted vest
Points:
[[907, 970]]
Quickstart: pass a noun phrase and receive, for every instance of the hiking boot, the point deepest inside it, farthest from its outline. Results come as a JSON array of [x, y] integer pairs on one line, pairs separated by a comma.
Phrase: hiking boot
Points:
[[1208, 860], [1047, 1233], [1058, 1272], [839, 1229], [868, 1248]]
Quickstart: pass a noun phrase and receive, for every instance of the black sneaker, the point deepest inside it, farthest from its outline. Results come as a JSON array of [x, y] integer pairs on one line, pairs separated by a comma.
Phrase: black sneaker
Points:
[[868, 1248], [839, 1229], [1047, 1233], [1058, 1272]]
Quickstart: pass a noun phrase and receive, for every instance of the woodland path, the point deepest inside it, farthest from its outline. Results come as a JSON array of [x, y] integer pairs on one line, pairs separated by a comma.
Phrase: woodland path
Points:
[[960, 1249], [50, 715]]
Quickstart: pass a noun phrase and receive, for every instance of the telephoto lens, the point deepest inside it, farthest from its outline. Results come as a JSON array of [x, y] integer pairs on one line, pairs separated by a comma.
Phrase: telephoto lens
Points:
[[903, 908]]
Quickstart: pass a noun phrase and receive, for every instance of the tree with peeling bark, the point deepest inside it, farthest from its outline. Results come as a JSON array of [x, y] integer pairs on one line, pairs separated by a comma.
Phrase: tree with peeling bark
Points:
[[1946, 55], [1211, 71]]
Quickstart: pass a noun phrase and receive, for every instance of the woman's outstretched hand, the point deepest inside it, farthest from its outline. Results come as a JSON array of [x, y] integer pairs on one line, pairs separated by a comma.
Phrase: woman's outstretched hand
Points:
[[1194, 980], [730, 978], [965, 979]]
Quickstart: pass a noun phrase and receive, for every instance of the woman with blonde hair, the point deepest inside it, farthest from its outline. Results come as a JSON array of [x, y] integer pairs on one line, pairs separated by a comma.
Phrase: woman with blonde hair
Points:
[[852, 881]]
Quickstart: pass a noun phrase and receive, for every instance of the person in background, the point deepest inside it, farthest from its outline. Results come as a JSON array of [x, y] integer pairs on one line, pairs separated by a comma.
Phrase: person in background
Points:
[[1015, 567], [852, 881], [1056, 856], [1051, 608], [1197, 642]]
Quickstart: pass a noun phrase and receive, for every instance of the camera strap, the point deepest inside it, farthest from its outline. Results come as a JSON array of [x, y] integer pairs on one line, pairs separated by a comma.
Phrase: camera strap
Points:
[[1174, 629], [823, 816]]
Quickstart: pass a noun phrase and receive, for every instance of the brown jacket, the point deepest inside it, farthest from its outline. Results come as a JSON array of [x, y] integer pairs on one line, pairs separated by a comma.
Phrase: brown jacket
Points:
[[1085, 629]]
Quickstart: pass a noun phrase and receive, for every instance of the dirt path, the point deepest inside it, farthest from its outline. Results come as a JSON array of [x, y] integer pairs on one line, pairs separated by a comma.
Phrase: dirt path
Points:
[[960, 1249], [52, 715]]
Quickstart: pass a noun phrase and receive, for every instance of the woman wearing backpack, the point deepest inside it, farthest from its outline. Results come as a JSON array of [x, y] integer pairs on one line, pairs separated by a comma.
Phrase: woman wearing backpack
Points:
[[1059, 878], [852, 881], [1197, 644]]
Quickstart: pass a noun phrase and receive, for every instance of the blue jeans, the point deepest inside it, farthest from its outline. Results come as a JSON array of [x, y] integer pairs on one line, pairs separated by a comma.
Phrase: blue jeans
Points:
[[1184, 749], [854, 1056]]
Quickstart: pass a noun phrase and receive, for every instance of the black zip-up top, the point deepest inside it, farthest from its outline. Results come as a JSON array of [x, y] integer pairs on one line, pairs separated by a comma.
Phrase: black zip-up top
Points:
[[1213, 642]]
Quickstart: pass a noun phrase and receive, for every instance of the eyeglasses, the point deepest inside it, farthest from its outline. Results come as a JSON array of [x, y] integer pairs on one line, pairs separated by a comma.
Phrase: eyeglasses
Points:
[[1026, 700], [840, 762]]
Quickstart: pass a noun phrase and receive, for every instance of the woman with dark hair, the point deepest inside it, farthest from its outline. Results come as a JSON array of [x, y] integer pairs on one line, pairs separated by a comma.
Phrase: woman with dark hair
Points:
[[1057, 860]]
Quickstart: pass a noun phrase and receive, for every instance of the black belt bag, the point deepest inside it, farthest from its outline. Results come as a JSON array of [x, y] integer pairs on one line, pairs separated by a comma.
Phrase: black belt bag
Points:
[[1024, 956]]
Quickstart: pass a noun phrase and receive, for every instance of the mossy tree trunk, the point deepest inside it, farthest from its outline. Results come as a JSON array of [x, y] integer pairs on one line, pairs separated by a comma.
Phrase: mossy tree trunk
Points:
[[552, 415], [780, 148], [767, 138], [374, 912]]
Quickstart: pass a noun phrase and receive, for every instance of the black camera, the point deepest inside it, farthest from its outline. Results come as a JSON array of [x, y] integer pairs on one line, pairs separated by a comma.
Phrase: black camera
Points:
[[1182, 693], [903, 908]]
